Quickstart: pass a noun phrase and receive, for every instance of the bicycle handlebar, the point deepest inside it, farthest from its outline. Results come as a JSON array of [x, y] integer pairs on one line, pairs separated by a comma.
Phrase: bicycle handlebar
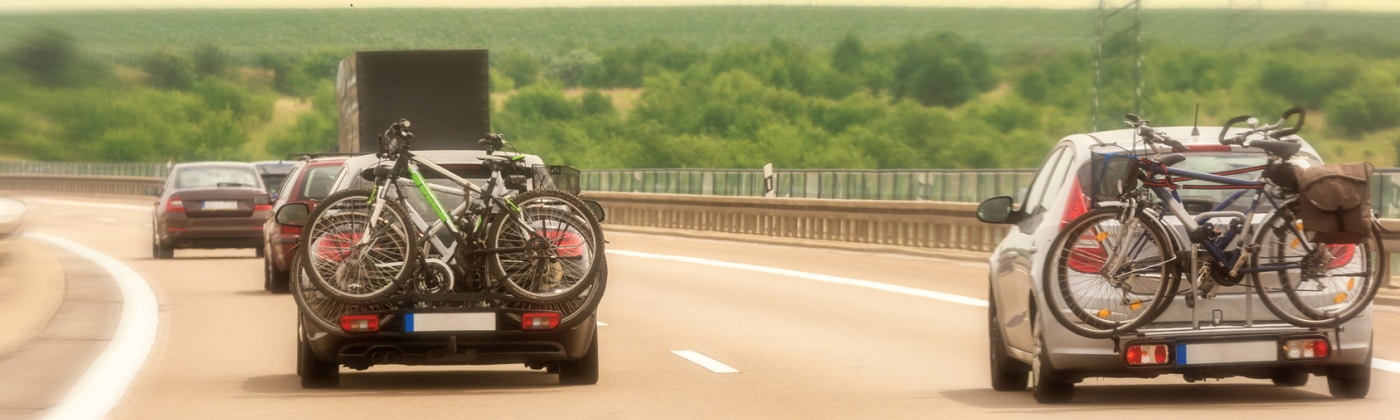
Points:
[[1152, 136], [1271, 130]]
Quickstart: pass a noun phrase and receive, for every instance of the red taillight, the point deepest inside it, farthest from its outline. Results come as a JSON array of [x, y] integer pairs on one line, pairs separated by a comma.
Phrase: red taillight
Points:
[[539, 320], [174, 205], [568, 244], [286, 230], [1146, 354], [359, 323], [1078, 204], [336, 246], [1341, 255], [1306, 348], [262, 207]]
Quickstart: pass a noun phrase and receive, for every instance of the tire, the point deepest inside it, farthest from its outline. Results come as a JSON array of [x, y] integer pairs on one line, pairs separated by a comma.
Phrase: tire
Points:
[[1007, 374], [314, 372], [319, 308], [562, 244], [1350, 382], [274, 281], [583, 371], [337, 263], [572, 311], [1105, 305], [1050, 386], [159, 250], [1327, 288]]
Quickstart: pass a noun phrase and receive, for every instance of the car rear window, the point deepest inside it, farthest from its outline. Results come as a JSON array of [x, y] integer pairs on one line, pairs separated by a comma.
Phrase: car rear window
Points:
[[1200, 200], [319, 181], [215, 176]]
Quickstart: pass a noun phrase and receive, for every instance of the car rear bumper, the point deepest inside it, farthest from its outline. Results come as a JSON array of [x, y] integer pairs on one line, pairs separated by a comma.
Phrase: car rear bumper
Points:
[[1084, 357], [360, 351]]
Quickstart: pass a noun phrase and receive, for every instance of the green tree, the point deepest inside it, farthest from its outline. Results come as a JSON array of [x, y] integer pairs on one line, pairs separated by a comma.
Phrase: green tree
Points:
[[523, 69], [212, 61], [942, 70], [50, 58], [167, 70]]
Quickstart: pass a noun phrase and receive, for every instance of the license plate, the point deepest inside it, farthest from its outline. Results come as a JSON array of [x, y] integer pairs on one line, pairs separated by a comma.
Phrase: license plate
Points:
[[1234, 352], [469, 321], [220, 205]]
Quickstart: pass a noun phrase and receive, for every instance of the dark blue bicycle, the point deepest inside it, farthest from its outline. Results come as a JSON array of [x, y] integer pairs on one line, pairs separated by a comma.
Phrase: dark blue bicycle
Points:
[[1119, 266]]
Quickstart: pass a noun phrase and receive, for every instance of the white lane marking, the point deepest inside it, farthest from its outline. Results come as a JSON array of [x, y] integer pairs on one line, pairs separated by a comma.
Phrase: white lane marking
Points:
[[1385, 365], [86, 204], [1382, 364], [705, 361], [904, 290], [104, 383], [106, 220]]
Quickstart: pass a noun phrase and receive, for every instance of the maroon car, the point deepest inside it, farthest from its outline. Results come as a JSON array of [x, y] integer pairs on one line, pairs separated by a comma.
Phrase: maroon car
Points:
[[209, 205], [309, 181]]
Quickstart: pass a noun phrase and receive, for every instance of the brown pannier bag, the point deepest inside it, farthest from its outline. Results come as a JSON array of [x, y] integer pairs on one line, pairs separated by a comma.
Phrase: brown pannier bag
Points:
[[1335, 202]]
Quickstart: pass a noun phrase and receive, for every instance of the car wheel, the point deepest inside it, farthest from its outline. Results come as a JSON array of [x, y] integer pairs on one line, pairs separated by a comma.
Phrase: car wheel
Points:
[[1050, 386], [314, 372], [583, 371], [1291, 378], [1007, 374], [275, 281], [1350, 382], [160, 250]]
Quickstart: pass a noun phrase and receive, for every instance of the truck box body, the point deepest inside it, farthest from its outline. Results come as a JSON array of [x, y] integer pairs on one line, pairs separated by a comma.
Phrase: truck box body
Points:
[[445, 94]]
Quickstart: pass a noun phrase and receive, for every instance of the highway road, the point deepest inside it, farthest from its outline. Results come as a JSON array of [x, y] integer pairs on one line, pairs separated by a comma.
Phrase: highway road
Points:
[[690, 328]]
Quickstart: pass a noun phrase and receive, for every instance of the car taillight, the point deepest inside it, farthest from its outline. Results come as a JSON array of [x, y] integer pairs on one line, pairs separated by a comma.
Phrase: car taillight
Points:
[[336, 246], [1078, 204], [289, 230], [262, 207], [567, 244], [174, 205], [1147, 354], [359, 323], [1306, 348], [539, 320], [1341, 255]]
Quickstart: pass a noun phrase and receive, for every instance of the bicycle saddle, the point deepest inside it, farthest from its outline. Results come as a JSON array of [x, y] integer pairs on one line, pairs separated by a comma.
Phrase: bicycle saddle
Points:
[[1281, 148], [1172, 159]]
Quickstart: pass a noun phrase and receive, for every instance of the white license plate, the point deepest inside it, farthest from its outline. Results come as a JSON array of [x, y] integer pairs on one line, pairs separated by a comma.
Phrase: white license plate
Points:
[[1235, 352], [471, 321], [220, 205]]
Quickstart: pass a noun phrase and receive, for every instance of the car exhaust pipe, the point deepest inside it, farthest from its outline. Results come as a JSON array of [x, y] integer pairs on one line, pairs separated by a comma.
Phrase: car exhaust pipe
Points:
[[383, 355]]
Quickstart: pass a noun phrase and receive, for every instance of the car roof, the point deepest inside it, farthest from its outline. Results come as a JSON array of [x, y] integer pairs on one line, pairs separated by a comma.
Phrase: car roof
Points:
[[212, 163], [275, 166]]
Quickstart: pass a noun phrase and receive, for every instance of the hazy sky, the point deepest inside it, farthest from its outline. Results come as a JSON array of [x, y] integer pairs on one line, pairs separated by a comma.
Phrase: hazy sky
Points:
[[1375, 5]]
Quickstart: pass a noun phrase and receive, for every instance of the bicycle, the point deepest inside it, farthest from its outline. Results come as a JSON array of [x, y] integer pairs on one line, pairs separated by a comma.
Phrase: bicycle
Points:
[[363, 246], [1119, 266]]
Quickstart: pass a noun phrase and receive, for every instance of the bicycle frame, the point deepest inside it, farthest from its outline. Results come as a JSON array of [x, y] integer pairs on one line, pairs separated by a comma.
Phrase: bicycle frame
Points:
[[1160, 181]]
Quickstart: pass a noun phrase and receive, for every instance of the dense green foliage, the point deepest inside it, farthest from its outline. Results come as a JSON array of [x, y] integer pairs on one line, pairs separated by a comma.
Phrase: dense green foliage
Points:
[[693, 87]]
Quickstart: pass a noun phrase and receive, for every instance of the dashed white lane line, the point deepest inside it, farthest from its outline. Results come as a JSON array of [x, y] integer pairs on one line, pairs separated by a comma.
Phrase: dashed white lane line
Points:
[[103, 384], [1377, 363], [904, 290], [704, 361]]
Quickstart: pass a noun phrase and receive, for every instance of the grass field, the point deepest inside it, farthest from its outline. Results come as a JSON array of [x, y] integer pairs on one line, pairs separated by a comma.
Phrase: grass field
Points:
[[130, 33]]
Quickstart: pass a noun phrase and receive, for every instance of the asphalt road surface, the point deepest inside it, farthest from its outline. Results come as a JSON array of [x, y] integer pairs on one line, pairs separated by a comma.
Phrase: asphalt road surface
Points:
[[690, 329]]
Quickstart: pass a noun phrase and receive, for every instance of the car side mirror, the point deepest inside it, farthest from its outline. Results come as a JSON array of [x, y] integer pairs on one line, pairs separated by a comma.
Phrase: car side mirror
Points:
[[597, 209], [997, 210], [153, 191], [293, 214]]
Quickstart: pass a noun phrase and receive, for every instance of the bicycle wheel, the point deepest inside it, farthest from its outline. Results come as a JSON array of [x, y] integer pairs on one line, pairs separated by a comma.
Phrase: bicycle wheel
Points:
[[574, 310], [1112, 275], [549, 249], [320, 308], [344, 264], [1316, 285]]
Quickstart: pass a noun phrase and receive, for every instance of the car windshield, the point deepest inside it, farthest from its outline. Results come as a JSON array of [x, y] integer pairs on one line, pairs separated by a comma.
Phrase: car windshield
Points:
[[215, 176]]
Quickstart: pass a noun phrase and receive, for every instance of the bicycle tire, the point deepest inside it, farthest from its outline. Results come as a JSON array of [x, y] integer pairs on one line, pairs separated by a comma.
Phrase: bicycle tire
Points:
[[1103, 306], [551, 272], [1329, 288], [319, 308], [574, 310], [342, 270]]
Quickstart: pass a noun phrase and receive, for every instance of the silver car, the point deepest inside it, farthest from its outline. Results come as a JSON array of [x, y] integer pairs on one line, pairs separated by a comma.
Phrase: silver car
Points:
[[1229, 335]]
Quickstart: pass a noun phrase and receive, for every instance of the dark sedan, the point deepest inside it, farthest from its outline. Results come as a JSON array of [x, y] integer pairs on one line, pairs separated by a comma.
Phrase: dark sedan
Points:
[[309, 181], [209, 205]]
